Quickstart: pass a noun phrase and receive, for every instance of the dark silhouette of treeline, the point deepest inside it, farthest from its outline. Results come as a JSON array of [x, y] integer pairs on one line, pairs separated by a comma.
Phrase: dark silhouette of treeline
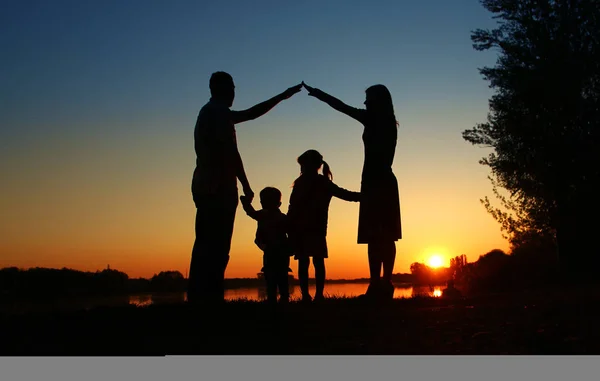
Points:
[[495, 271], [45, 282], [525, 267], [42, 283]]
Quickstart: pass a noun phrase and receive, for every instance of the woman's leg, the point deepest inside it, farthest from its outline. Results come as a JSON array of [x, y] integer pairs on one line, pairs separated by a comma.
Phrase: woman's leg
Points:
[[319, 264], [388, 255], [375, 262], [303, 276]]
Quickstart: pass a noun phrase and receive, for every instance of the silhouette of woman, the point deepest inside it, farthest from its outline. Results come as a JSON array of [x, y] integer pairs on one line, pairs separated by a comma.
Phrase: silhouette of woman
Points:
[[379, 223]]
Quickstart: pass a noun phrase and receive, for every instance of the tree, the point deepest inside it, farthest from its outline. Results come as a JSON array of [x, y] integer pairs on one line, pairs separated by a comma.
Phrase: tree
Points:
[[458, 265], [423, 274], [543, 122], [168, 281], [110, 280]]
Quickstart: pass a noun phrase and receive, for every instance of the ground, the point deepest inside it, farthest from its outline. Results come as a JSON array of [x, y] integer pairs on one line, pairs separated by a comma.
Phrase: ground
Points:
[[558, 321]]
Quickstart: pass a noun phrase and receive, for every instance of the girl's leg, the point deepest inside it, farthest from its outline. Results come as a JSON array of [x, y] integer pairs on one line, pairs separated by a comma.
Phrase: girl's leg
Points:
[[271, 280], [303, 276], [319, 264], [282, 280]]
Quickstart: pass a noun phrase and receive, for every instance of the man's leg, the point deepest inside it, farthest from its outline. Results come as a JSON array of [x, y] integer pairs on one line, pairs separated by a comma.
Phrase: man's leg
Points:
[[223, 235], [195, 276], [215, 218]]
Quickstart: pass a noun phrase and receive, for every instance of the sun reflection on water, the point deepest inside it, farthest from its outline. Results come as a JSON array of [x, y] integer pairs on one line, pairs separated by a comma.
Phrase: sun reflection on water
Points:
[[254, 293]]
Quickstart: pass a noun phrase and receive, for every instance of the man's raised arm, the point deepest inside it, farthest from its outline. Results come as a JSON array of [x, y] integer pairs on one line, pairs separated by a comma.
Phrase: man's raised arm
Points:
[[264, 107]]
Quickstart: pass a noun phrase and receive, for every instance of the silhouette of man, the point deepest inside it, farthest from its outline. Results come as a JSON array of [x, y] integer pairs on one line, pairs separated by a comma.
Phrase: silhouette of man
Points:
[[214, 184]]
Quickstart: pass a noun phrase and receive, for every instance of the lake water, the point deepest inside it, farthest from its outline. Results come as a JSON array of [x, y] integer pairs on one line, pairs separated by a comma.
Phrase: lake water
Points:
[[251, 293], [259, 293]]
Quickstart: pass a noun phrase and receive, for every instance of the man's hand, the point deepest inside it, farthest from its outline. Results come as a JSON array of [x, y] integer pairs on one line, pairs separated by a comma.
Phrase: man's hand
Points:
[[248, 194], [291, 91]]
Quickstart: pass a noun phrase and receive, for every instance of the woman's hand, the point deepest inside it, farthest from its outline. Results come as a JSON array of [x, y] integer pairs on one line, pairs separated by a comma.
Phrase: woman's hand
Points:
[[311, 90]]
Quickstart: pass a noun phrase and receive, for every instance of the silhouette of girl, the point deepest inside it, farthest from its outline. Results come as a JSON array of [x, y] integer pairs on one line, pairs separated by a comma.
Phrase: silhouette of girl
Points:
[[379, 214], [307, 218]]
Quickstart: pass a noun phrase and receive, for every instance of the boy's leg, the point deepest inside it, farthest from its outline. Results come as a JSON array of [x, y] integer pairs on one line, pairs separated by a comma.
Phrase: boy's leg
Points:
[[283, 281], [270, 278], [319, 264], [303, 264]]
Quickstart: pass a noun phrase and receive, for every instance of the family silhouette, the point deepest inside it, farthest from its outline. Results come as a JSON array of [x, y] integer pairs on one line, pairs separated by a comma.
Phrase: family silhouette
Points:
[[302, 232]]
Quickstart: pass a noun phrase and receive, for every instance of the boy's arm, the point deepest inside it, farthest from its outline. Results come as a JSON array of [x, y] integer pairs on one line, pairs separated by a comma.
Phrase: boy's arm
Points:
[[343, 194], [248, 208]]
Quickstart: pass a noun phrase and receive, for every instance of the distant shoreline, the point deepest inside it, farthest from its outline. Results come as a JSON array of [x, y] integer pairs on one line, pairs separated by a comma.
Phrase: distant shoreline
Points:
[[43, 283]]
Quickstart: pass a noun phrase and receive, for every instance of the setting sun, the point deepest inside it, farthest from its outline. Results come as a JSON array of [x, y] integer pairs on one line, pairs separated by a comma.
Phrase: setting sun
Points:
[[435, 261]]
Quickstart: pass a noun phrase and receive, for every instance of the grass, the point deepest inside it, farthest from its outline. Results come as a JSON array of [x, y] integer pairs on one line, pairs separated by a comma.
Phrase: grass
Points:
[[552, 321]]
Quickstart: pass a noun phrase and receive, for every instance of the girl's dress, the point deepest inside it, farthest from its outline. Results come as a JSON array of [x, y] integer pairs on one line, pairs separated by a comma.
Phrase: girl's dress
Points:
[[308, 213]]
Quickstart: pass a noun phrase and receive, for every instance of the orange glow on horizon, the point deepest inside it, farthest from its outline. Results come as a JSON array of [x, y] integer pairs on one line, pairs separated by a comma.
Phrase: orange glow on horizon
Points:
[[122, 231]]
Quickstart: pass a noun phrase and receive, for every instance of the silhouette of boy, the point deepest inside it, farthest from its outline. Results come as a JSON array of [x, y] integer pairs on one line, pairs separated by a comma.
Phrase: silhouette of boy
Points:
[[272, 239]]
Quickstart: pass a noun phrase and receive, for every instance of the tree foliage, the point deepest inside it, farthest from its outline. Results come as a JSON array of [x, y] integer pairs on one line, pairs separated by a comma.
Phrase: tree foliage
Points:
[[543, 118]]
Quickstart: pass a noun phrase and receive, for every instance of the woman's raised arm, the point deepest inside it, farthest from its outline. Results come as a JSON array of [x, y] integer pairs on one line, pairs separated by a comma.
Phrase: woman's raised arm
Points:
[[353, 112]]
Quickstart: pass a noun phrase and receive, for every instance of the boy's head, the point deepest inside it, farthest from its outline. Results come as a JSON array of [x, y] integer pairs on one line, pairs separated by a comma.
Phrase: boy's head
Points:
[[270, 198]]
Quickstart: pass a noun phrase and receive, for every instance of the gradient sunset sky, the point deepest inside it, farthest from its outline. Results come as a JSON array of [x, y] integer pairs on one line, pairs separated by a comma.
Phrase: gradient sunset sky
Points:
[[98, 102]]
